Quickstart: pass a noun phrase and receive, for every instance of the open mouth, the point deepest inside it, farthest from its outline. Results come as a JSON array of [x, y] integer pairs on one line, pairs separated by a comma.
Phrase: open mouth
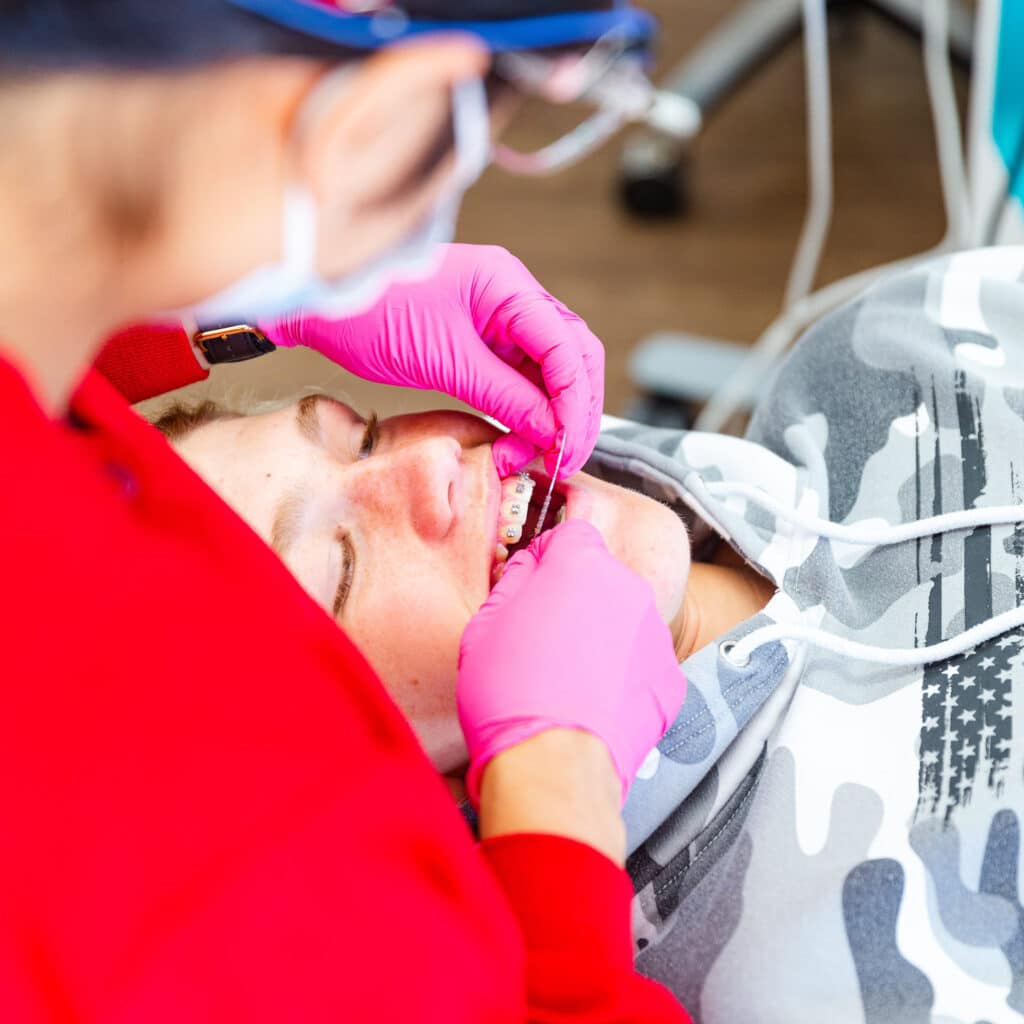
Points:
[[522, 498]]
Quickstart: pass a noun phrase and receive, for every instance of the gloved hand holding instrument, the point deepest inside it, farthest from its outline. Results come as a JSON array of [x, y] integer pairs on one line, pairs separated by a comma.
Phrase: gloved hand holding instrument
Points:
[[569, 638], [482, 329]]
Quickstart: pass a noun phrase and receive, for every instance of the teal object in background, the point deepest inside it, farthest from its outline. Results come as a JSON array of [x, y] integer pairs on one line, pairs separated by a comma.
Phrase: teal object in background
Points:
[[1008, 102]]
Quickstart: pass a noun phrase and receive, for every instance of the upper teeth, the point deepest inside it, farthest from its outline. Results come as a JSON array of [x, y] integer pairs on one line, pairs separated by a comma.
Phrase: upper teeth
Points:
[[515, 510], [515, 504], [521, 484], [516, 492]]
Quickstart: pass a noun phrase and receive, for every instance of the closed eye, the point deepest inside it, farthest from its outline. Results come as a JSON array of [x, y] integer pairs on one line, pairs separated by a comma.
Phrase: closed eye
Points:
[[370, 437], [348, 568], [367, 444]]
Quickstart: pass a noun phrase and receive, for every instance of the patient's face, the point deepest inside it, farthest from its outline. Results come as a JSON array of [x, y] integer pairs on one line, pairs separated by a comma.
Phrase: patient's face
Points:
[[395, 533]]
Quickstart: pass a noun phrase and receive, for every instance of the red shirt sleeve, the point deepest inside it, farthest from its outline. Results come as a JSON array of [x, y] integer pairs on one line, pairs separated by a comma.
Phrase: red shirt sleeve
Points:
[[144, 360], [573, 907]]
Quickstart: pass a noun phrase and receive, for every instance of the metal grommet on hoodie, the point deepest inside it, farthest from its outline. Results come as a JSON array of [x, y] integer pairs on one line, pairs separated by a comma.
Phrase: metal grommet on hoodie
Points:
[[725, 649]]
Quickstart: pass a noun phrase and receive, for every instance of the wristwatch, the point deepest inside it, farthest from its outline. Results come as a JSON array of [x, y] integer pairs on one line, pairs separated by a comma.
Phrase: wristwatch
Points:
[[233, 344]]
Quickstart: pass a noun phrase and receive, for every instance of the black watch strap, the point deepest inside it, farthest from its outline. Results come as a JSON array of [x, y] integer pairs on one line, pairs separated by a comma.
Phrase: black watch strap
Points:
[[232, 344]]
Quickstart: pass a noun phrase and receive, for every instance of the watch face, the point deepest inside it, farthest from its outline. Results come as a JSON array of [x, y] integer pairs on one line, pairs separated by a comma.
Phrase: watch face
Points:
[[233, 344]]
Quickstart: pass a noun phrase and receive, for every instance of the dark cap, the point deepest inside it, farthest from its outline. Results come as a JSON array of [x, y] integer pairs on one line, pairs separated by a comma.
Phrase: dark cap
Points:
[[501, 24], [155, 33]]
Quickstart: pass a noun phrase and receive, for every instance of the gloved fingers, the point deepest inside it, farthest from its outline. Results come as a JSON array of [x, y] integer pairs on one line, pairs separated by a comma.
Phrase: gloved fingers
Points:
[[518, 571], [556, 553], [528, 368], [568, 541], [566, 351], [667, 683], [532, 372], [575, 550], [510, 453], [495, 388], [652, 702], [519, 454], [537, 326], [620, 683], [578, 449], [669, 693]]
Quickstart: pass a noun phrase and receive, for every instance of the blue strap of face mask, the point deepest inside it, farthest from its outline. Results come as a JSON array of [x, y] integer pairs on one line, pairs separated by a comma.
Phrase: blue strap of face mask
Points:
[[372, 31]]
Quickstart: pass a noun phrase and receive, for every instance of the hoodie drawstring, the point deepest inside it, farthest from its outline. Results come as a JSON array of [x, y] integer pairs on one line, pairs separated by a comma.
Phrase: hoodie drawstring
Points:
[[873, 536], [737, 652]]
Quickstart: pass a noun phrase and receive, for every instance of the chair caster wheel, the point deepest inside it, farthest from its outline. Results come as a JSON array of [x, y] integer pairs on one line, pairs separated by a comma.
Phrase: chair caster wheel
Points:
[[654, 177]]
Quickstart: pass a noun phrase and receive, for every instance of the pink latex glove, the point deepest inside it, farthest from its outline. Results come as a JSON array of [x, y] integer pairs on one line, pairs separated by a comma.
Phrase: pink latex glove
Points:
[[481, 329], [569, 637]]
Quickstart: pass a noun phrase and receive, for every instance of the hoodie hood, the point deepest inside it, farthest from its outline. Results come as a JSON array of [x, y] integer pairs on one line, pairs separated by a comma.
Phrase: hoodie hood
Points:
[[823, 825]]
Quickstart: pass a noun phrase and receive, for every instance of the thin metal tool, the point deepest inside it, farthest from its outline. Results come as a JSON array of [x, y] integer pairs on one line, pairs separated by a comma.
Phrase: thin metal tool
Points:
[[551, 487]]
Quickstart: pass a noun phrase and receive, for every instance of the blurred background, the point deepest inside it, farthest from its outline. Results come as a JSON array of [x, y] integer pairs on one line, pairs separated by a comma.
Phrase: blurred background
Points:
[[719, 267]]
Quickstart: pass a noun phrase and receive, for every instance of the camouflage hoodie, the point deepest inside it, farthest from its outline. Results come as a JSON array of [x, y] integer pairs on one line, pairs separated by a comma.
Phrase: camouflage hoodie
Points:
[[831, 832]]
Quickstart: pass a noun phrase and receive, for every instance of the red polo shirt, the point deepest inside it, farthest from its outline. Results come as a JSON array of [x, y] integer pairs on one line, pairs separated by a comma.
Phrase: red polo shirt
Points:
[[211, 811]]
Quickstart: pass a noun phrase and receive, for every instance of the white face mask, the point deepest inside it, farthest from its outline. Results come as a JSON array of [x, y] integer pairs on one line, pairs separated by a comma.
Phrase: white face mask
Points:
[[293, 283]]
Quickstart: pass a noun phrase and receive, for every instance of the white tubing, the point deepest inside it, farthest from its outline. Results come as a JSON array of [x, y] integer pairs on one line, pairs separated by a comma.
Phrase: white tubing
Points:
[[985, 184], [779, 334], [946, 120], [805, 310], [819, 153]]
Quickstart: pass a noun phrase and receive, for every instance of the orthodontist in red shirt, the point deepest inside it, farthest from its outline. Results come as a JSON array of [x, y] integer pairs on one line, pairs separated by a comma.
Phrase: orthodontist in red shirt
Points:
[[194, 757]]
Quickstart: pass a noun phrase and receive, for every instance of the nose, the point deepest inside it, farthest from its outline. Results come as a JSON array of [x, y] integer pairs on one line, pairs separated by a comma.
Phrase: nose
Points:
[[426, 478]]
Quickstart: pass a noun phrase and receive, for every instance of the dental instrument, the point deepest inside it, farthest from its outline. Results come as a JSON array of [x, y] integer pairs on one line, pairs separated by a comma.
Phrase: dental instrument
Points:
[[551, 488]]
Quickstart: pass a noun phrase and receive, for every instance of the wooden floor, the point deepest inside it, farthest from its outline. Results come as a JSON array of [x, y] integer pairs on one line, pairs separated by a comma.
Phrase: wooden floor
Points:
[[721, 270]]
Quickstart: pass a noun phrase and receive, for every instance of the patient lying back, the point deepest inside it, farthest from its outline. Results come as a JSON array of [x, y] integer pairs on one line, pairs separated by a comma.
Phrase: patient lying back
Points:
[[399, 527]]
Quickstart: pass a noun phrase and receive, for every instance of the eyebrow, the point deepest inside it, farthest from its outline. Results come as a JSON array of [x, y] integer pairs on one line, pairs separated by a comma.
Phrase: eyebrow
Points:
[[307, 418]]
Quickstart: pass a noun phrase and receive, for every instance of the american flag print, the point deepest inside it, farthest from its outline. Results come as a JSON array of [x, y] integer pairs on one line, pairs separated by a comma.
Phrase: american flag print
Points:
[[966, 726], [967, 701]]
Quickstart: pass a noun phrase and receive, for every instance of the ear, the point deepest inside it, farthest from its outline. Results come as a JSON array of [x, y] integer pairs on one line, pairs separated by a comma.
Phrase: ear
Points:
[[382, 125]]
